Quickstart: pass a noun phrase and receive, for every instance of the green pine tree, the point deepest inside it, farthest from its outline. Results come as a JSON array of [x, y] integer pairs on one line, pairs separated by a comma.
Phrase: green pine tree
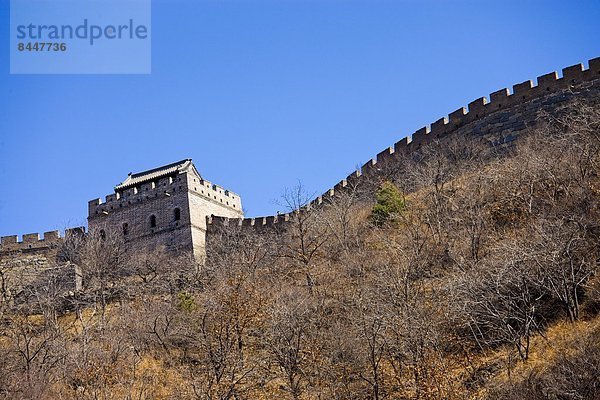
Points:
[[390, 203]]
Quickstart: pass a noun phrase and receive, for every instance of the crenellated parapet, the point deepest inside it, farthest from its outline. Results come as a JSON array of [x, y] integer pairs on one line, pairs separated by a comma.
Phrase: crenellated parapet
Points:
[[499, 100], [274, 221], [257, 222], [28, 265], [146, 191], [476, 117], [160, 188], [36, 241]]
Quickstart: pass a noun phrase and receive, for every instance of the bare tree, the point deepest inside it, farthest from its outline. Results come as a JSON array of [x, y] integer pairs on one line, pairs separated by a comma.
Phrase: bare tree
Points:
[[292, 316], [100, 257], [305, 234], [36, 352]]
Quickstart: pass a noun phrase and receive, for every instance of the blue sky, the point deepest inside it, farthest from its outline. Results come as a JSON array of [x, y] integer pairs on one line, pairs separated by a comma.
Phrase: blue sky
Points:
[[263, 94]]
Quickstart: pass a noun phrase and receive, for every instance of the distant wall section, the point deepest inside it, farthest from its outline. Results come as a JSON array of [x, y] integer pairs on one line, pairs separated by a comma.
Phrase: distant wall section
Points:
[[499, 121], [24, 263]]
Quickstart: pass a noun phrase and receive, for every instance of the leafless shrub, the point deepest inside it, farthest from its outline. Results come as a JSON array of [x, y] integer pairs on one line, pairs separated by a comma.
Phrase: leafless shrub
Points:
[[572, 375]]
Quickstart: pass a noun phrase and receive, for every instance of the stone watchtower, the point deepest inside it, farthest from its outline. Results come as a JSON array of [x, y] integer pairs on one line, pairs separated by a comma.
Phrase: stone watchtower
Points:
[[164, 207]]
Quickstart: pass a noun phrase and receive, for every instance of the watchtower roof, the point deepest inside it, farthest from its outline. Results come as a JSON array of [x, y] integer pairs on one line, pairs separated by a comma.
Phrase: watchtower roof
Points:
[[156, 173]]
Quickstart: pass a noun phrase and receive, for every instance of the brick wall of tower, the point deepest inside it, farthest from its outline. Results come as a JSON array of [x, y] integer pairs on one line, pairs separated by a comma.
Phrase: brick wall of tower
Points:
[[135, 207], [206, 199]]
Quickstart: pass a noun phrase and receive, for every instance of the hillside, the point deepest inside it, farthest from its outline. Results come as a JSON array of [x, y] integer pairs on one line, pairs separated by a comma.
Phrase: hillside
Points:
[[461, 272]]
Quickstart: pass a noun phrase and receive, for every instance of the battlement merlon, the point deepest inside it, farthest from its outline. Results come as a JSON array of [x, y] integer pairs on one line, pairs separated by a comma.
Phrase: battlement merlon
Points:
[[215, 187], [34, 240], [500, 99], [256, 222]]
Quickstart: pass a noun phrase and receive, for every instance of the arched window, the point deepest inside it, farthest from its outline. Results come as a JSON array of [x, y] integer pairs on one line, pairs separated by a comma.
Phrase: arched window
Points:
[[177, 214], [153, 221], [125, 229]]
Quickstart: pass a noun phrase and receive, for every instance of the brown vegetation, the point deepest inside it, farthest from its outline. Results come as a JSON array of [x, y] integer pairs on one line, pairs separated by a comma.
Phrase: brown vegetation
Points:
[[483, 285]]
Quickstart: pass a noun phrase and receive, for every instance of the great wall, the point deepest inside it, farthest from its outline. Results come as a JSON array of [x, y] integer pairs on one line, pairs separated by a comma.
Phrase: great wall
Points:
[[499, 121], [174, 206]]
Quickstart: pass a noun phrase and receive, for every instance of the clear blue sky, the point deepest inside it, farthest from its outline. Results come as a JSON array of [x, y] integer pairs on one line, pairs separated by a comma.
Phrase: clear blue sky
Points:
[[262, 94]]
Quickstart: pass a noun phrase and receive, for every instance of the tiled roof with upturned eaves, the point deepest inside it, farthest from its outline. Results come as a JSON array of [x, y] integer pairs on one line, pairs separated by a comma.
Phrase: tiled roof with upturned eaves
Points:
[[155, 173]]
